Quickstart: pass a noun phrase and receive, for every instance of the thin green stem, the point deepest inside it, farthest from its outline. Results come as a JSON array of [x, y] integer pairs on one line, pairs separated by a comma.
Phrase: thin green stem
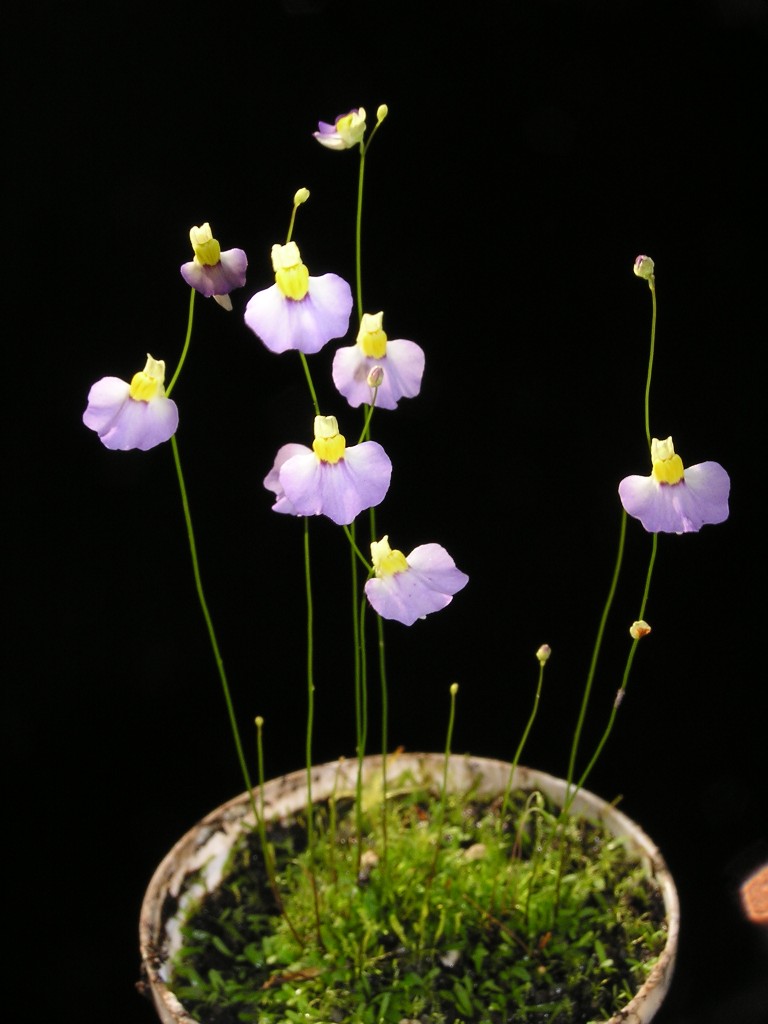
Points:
[[359, 235], [365, 433], [266, 853], [384, 729], [310, 720], [358, 553], [521, 744], [187, 340], [308, 375], [361, 702], [440, 818], [627, 668], [652, 286], [209, 626], [353, 555], [596, 654]]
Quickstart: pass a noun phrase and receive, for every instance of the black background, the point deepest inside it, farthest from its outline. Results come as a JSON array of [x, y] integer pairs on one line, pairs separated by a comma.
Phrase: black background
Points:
[[533, 149]]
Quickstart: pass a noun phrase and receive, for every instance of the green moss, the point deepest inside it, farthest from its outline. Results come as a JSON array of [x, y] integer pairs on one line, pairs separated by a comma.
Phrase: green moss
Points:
[[455, 920]]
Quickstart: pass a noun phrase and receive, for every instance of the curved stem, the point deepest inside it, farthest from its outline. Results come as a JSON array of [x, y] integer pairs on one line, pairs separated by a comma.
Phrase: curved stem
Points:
[[521, 744], [310, 723], [185, 349], [209, 626], [358, 235], [596, 654], [652, 286], [308, 375], [627, 668]]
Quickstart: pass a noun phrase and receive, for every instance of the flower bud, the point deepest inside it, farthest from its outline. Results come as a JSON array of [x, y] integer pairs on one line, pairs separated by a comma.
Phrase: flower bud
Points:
[[301, 196], [643, 267], [375, 376], [381, 113], [454, 689], [543, 654], [639, 629]]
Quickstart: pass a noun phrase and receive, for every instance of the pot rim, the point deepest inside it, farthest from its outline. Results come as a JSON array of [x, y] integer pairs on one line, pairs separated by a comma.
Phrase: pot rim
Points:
[[196, 862]]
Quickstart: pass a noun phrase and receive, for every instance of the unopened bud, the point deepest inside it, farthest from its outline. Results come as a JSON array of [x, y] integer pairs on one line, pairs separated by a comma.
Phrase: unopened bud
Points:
[[301, 196], [381, 113], [259, 721], [643, 267], [639, 629], [375, 376], [543, 654], [454, 689]]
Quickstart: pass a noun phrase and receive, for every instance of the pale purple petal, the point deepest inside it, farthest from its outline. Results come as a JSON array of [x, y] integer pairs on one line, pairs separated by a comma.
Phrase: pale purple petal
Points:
[[701, 497], [220, 279], [340, 490], [328, 136], [272, 479], [437, 568], [403, 365], [427, 585], [305, 324], [123, 423]]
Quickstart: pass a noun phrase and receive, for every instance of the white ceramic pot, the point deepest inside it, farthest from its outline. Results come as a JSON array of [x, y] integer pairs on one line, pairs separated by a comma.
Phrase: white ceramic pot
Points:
[[195, 864]]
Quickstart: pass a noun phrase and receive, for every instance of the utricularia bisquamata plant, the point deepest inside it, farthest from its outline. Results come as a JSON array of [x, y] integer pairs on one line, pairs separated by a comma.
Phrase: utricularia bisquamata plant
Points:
[[381, 913]]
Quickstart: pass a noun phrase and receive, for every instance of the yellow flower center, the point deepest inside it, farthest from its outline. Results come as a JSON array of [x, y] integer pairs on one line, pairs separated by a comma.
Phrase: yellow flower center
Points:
[[667, 466], [207, 249], [387, 562], [291, 276], [148, 383], [351, 127], [329, 445], [371, 338]]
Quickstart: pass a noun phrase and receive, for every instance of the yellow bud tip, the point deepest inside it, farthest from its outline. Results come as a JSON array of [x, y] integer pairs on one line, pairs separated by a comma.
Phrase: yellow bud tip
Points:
[[148, 383], [207, 249], [291, 276], [329, 445], [667, 466], [301, 196], [454, 689], [639, 629], [259, 721], [387, 562], [371, 338], [543, 654], [381, 113]]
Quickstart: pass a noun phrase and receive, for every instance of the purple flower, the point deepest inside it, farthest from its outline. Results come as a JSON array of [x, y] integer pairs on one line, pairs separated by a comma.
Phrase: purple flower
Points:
[[674, 500], [329, 478], [135, 415], [213, 272], [345, 132], [402, 363], [406, 589], [299, 311]]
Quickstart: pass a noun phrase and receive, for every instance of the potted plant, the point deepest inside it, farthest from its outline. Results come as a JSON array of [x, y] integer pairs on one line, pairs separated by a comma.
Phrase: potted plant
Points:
[[398, 887]]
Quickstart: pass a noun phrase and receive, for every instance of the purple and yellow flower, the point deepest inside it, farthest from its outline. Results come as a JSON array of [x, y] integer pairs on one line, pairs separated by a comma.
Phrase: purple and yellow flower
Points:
[[406, 589], [212, 272], [135, 415], [329, 479], [402, 362], [673, 499], [345, 132], [299, 311]]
